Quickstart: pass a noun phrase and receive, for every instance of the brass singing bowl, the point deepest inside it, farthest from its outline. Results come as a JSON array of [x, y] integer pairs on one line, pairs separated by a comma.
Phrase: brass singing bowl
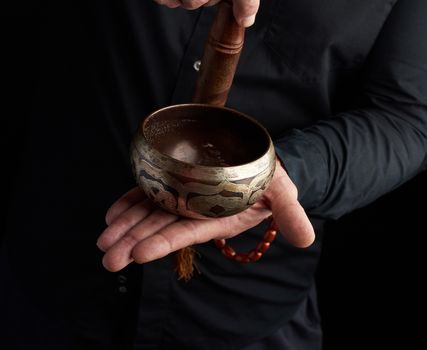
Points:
[[202, 161]]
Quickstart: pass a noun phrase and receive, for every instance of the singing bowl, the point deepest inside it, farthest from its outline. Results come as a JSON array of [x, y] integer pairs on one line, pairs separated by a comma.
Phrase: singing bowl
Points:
[[202, 161]]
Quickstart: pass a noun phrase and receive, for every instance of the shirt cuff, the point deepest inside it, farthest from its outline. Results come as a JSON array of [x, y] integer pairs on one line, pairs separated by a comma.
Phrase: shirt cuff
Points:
[[305, 166]]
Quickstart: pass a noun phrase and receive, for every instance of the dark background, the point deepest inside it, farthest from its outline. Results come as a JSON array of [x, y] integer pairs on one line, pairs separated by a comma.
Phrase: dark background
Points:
[[371, 272]]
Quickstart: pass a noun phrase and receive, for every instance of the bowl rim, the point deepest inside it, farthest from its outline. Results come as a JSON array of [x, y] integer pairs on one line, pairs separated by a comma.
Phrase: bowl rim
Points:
[[210, 167]]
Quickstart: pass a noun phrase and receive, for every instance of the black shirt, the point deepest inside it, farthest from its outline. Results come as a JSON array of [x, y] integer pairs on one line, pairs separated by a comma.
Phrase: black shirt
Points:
[[340, 85]]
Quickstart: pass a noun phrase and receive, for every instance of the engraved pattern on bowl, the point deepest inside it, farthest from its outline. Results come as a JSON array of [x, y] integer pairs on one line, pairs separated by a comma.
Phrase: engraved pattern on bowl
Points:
[[199, 191]]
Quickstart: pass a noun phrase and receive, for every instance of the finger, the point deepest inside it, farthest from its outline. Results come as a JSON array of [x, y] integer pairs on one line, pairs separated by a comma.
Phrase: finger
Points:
[[294, 224], [169, 3], [119, 255], [187, 232], [288, 213], [192, 4], [245, 11], [123, 223], [128, 200], [212, 3]]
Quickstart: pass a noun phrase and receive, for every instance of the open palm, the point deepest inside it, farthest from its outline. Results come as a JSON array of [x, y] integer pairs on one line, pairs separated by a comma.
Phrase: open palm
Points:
[[140, 231]]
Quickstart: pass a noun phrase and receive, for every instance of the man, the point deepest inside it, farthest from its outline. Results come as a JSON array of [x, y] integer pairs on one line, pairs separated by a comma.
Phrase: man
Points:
[[339, 85]]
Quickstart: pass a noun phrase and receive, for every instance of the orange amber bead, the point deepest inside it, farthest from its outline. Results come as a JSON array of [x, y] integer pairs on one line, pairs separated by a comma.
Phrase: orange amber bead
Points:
[[254, 255], [228, 252], [220, 243], [270, 235], [242, 258], [263, 246]]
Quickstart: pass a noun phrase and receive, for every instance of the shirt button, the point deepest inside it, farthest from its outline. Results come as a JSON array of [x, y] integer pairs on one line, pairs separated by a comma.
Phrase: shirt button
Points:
[[122, 279], [197, 65], [123, 289]]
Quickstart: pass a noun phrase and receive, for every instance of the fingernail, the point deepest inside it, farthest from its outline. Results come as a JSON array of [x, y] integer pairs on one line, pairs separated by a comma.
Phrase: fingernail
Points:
[[107, 217], [105, 264], [247, 21], [100, 246]]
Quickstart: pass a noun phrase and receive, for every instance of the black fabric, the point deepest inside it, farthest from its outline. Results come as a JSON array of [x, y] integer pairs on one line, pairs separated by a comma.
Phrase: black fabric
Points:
[[339, 85], [302, 332]]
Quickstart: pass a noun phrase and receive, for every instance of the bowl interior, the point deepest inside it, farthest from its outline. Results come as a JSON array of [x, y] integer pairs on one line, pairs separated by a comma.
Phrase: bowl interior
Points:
[[206, 135]]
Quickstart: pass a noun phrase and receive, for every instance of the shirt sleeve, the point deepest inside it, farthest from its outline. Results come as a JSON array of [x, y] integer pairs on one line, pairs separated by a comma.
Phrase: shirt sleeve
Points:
[[353, 158]]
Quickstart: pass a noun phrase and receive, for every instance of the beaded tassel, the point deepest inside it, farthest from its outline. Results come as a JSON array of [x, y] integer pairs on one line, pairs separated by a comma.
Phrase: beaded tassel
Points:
[[254, 254], [185, 257]]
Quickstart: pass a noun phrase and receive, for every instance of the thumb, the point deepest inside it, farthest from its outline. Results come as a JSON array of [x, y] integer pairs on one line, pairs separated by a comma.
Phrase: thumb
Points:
[[245, 11], [288, 213]]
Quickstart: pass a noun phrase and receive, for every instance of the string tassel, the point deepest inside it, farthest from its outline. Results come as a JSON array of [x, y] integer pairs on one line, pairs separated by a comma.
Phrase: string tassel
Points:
[[185, 263]]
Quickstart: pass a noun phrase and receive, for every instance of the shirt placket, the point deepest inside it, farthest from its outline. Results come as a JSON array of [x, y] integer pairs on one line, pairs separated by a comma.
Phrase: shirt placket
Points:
[[156, 298], [191, 61]]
